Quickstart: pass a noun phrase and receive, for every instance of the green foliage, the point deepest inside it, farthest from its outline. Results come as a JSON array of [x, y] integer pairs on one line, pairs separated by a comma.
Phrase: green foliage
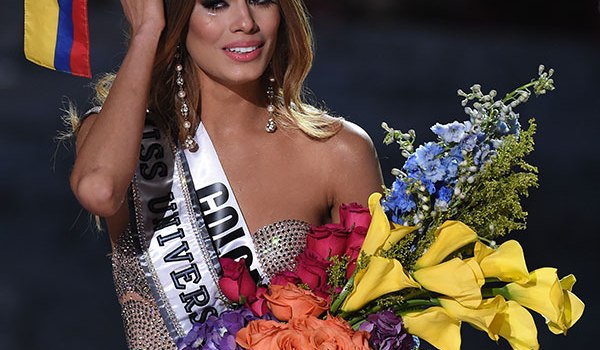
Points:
[[336, 274], [492, 206]]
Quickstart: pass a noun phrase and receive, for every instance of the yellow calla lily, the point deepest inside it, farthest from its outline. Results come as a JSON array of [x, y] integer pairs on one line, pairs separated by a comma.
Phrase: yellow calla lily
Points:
[[480, 251], [455, 278], [451, 236], [380, 234], [516, 325], [481, 317], [573, 307], [435, 326], [542, 294], [567, 282], [507, 262], [381, 276]]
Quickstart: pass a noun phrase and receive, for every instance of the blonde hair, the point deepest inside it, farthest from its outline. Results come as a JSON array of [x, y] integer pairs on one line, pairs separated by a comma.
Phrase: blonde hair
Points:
[[290, 65]]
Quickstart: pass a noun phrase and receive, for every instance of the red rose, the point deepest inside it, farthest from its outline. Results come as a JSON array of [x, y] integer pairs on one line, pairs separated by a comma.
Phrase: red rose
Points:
[[355, 242], [356, 239], [236, 281], [258, 305], [353, 253], [285, 277], [354, 215], [312, 270], [327, 240]]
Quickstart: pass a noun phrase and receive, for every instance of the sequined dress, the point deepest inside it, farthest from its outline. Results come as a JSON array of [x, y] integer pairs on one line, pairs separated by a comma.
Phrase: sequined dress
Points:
[[277, 245]]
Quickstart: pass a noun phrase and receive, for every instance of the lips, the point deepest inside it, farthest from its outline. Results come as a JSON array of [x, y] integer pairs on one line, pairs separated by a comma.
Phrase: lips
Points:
[[244, 51], [241, 50]]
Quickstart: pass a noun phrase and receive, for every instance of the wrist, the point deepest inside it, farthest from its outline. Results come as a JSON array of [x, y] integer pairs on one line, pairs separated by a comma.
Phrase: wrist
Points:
[[148, 32]]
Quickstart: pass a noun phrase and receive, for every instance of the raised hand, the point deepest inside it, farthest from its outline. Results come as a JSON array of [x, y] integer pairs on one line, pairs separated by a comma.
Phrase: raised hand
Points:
[[144, 14]]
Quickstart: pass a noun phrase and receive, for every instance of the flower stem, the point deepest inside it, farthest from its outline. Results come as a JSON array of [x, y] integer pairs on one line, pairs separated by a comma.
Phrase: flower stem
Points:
[[343, 294], [410, 305], [492, 292], [512, 94], [403, 308], [490, 242]]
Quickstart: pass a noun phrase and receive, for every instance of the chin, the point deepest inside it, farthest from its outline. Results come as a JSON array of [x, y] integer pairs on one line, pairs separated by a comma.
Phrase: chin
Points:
[[242, 78]]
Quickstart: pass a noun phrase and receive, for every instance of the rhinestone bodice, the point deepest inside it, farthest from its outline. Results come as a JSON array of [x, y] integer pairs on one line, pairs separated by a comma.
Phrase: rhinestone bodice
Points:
[[276, 244]]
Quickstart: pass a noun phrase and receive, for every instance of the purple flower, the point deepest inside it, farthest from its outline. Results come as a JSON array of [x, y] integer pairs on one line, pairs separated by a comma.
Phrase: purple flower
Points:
[[217, 333], [388, 332]]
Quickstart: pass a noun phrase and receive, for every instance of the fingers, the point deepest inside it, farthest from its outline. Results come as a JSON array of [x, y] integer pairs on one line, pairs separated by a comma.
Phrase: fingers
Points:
[[144, 14]]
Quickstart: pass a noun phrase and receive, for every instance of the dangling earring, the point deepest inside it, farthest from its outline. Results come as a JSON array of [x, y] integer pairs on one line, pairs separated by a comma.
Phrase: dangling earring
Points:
[[189, 144], [271, 127]]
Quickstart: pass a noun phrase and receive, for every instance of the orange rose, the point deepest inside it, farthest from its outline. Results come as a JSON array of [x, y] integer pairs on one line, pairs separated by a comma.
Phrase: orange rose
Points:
[[303, 332], [291, 301], [290, 339], [335, 327], [259, 334]]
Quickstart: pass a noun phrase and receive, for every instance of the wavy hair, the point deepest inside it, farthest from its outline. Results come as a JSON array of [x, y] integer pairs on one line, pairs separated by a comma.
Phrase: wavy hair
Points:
[[290, 65]]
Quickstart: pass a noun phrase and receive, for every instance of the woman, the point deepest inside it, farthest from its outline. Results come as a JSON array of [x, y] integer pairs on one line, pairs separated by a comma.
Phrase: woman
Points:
[[173, 197]]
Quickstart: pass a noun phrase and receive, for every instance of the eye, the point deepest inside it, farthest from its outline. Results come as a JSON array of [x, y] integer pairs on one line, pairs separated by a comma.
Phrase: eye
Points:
[[214, 5], [262, 2]]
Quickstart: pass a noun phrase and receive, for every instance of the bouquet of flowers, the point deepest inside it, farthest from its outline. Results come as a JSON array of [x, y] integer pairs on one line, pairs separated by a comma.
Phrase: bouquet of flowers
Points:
[[421, 260]]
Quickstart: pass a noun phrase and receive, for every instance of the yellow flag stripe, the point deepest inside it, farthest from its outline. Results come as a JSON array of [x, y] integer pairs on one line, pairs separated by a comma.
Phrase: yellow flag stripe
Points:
[[41, 26]]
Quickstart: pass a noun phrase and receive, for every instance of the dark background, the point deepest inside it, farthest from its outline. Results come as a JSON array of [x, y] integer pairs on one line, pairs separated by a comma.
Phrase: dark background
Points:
[[398, 61]]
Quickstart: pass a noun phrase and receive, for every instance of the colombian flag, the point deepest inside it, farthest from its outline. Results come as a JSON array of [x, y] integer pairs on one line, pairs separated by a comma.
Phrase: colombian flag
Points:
[[56, 35]]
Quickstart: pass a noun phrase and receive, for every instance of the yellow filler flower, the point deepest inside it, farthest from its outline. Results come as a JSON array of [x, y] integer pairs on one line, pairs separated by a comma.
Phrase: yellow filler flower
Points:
[[381, 276], [451, 236]]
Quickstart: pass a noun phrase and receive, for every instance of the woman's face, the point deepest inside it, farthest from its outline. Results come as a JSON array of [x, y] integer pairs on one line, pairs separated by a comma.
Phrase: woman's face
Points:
[[232, 41]]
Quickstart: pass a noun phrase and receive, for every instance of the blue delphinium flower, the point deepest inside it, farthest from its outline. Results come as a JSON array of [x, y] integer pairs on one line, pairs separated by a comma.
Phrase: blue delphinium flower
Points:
[[452, 132], [445, 194], [482, 153], [433, 170], [502, 128], [398, 202], [412, 167], [469, 142], [429, 185], [514, 125], [450, 165], [428, 151]]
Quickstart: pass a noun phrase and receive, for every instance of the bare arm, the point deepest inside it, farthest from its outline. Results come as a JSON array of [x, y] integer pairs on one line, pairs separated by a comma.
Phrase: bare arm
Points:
[[108, 143], [355, 172]]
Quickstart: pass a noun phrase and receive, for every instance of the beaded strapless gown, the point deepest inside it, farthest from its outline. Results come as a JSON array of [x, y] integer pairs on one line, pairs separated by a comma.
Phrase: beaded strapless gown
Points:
[[277, 246]]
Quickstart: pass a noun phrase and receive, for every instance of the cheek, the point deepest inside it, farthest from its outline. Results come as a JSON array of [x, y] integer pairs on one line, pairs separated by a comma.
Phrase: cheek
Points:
[[272, 23], [204, 28]]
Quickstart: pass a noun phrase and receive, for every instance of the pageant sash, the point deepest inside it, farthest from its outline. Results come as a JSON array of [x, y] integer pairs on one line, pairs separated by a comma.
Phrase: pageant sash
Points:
[[221, 212], [186, 217]]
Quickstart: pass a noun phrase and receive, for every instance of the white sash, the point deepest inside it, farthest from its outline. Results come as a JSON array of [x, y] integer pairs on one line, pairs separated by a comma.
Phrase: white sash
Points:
[[186, 217]]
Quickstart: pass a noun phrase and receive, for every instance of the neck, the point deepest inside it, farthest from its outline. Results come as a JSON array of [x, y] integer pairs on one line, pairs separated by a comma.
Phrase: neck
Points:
[[239, 108]]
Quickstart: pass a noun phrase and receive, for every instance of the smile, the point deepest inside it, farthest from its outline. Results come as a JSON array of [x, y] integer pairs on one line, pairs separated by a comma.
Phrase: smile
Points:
[[242, 49], [244, 52]]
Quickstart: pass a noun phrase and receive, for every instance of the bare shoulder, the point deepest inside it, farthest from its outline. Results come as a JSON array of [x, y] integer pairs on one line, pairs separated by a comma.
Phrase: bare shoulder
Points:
[[353, 170], [350, 144]]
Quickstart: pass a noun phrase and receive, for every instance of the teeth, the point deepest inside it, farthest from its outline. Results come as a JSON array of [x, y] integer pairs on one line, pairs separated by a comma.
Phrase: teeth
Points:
[[242, 49]]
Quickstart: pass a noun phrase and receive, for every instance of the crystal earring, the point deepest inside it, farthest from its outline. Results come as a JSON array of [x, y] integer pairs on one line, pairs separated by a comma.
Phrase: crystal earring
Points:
[[189, 144], [271, 126]]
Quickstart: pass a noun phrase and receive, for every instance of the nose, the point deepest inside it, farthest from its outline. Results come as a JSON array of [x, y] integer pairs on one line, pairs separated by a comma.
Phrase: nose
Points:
[[243, 20]]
